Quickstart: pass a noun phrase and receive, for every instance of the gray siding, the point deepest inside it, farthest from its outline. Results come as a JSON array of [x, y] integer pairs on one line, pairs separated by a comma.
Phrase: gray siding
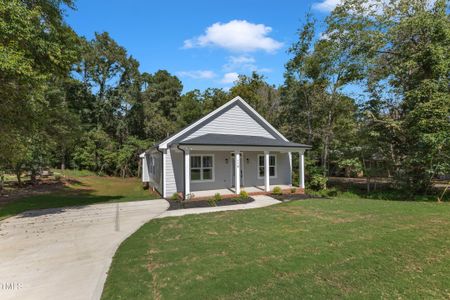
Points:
[[234, 121], [171, 186], [155, 179], [222, 171], [251, 169]]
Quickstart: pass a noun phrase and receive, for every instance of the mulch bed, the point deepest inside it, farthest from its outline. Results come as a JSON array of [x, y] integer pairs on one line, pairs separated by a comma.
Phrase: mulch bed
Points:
[[204, 203]]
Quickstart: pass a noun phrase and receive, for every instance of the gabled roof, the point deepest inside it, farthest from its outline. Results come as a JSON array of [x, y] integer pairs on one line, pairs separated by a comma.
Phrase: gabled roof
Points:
[[237, 101], [239, 140]]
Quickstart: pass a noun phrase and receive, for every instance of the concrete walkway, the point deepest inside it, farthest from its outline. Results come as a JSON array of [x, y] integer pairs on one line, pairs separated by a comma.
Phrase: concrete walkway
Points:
[[65, 253], [260, 201]]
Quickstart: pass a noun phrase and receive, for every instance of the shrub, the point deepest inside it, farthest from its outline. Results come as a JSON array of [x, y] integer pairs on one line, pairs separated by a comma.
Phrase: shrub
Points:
[[317, 182], [217, 197], [293, 190], [243, 195], [212, 202], [277, 190], [174, 197], [57, 177]]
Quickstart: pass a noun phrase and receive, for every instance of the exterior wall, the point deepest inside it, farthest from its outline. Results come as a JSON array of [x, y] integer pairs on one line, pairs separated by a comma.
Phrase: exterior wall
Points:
[[170, 182], [232, 122], [145, 168], [251, 169], [154, 179], [222, 175]]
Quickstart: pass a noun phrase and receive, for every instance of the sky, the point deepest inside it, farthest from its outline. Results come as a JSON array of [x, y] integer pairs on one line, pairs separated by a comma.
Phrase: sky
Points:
[[204, 43]]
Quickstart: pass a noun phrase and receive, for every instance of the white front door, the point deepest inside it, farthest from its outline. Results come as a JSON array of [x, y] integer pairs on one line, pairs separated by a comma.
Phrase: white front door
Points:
[[233, 170]]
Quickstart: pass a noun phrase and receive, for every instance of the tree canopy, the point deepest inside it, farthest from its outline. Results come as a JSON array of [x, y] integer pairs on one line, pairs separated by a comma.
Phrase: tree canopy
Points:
[[71, 102]]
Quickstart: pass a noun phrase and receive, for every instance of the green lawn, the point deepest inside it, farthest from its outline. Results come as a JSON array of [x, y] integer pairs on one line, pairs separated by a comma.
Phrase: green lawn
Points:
[[83, 188], [339, 248]]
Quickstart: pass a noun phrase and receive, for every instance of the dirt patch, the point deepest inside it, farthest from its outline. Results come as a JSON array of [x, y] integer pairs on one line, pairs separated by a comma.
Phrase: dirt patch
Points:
[[12, 193]]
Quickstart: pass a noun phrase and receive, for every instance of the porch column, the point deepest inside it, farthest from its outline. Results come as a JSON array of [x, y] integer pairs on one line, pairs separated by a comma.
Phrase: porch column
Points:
[[237, 171], [301, 170], [266, 172], [187, 173]]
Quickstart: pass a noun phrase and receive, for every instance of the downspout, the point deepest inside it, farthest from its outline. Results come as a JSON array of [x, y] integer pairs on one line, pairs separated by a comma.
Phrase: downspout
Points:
[[162, 170], [184, 171]]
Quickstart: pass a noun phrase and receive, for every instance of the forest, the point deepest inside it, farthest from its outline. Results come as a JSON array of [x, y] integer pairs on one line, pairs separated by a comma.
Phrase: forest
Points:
[[70, 102]]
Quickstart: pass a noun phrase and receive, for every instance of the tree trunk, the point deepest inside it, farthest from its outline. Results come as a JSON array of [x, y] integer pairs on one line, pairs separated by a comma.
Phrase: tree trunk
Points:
[[63, 161], [2, 183], [139, 167], [33, 176], [19, 179]]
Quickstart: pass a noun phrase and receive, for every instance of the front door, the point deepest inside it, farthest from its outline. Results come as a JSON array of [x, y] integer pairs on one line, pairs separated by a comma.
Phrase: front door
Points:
[[233, 170]]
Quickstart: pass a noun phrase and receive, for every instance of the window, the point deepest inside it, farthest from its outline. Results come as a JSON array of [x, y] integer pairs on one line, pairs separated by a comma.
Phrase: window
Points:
[[202, 167], [152, 167], [272, 166]]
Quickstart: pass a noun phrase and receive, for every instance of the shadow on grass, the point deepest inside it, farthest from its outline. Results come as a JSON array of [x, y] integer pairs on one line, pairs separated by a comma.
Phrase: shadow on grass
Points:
[[383, 192], [55, 203]]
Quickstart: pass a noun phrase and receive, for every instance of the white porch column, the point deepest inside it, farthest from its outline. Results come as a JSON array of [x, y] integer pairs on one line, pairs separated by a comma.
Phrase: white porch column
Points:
[[301, 170], [237, 171], [187, 173], [266, 172]]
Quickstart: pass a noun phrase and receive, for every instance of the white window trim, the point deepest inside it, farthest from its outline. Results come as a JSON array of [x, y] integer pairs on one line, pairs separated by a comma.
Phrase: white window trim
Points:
[[276, 165], [201, 168]]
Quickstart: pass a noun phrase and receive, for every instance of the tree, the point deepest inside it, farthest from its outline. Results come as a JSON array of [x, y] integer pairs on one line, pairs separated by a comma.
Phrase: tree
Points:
[[403, 48], [160, 98], [189, 108], [315, 107], [37, 48], [258, 93]]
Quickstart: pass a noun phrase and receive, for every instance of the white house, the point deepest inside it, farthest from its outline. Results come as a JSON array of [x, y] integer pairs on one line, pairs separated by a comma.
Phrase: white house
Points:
[[204, 158]]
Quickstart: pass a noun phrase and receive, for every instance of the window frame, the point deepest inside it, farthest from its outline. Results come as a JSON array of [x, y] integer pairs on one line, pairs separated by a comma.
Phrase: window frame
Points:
[[259, 166], [152, 169], [201, 168]]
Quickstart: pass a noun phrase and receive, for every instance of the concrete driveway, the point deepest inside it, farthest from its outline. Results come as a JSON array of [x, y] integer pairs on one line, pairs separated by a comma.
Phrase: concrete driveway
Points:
[[65, 253]]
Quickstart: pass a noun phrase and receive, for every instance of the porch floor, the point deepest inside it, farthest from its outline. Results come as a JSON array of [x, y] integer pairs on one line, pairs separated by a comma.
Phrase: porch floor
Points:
[[230, 191]]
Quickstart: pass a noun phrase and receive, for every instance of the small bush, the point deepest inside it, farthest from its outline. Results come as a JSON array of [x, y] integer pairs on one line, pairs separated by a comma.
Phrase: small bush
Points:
[[57, 177], [174, 197], [293, 190], [317, 182], [243, 195], [212, 202], [277, 190], [217, 197]]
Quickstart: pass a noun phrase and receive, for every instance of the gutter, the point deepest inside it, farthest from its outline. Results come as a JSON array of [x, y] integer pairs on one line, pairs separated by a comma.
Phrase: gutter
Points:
[[184, 171], [162, 170]]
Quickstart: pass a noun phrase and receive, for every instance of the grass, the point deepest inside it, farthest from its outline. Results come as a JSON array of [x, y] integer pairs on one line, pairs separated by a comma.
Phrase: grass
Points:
[[83, 188], [319, 248]]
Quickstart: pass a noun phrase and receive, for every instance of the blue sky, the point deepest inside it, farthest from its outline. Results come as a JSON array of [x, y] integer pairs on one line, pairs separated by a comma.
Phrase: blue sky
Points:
[[205, 43]]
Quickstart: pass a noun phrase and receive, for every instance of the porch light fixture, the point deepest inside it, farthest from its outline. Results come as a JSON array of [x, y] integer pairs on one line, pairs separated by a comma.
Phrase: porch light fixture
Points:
[[248, 160], [226, 161]]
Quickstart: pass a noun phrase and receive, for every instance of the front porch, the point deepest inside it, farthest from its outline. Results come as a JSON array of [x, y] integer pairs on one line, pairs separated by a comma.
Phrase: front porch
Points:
[[212, 169]]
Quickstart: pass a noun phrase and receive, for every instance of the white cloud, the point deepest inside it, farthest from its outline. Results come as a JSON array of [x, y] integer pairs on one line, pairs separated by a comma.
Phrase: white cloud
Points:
[[326, 5], [197, 74], [230, 77], [236, 35], [243, 63]]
